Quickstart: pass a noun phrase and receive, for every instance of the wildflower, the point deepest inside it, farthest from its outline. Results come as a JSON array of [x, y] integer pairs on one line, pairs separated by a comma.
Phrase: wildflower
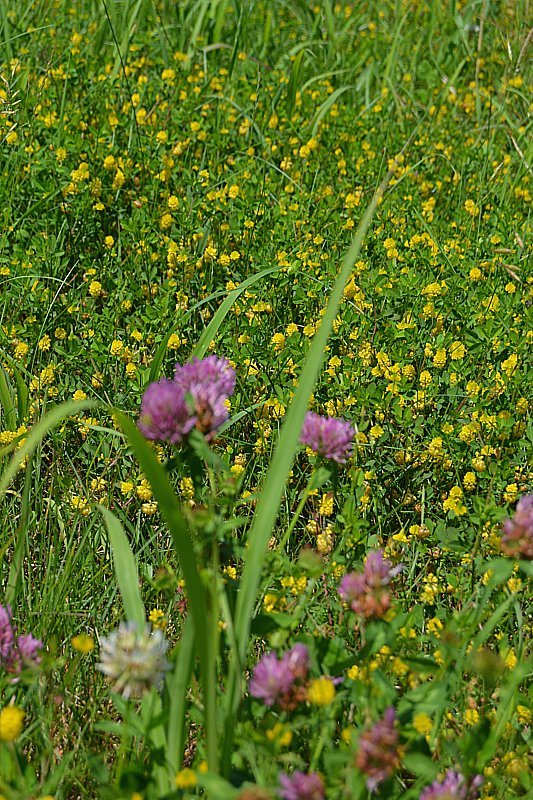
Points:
[[328, 436], [366, 592], [517, 539], [301, 786], [11, 722], [83, 643], [209, 382], [165, 415], [134, 660], [186, 779], [321, 692], [453, 787], [197, 397], [378, 754], [279, 681], [16, 652], [7, 633]]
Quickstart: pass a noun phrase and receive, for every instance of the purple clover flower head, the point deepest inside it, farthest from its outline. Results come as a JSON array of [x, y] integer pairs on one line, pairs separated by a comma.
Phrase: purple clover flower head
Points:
[[453, 787], [366, 592], [28, 649], [7, 634], [517, 539], [302, 786], [195, 398], [329, 437], [297, 660], [16, 652], [165, 415], [379, 570], [272, 679], [208, 382], [378, 754], [281, 681]]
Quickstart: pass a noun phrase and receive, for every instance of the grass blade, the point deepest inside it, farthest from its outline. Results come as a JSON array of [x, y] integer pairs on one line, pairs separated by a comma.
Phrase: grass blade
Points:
[[272, 492], [125, 569], [177, 685], [7, 402], [183, 543], [294, 79]]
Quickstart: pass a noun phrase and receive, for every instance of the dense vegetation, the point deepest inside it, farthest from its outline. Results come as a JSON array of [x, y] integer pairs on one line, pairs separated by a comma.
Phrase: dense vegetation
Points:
[[336, 198]]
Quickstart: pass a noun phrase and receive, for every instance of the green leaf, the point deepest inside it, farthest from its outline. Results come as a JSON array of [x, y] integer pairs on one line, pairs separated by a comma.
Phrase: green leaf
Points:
[[294, 79], [420, 765], [178, 526], [177, 685]]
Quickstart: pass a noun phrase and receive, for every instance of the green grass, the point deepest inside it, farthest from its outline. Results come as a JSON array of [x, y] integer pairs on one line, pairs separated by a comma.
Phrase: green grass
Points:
[[181, 179]]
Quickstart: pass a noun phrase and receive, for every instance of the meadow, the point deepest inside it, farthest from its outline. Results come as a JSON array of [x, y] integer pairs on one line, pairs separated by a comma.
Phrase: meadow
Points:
[[266, 441]]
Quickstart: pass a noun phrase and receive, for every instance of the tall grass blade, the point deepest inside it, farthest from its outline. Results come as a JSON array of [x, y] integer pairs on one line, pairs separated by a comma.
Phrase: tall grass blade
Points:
[[8, 413], [273, 488], [177, 685], [326, 105], [125, 569], [294, 80], [183, 543]]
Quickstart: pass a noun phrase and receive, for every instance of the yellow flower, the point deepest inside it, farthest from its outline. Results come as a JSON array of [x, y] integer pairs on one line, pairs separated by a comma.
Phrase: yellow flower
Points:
[[511, 493], [471, 716], [425, 378], [325, 508], [185, 779], [422, 723], [439, 359], [278, 340], [95, 289], [174, 341], [469, 481], [116, 347], [321, 691], [83, 643], [11, 723], [280, 734], [471, 208], [157, 618]]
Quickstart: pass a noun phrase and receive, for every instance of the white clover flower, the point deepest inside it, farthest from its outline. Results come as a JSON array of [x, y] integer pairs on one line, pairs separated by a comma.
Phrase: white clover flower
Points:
[[134, 660]]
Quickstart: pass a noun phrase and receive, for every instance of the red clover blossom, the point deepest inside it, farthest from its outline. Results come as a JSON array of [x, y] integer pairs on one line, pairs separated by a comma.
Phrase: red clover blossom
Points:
[[328, 436], [281, 681], [196, 397], [517, 539], [16, 652], [453, 787], [301, 786], [366, 592], [378, 754]]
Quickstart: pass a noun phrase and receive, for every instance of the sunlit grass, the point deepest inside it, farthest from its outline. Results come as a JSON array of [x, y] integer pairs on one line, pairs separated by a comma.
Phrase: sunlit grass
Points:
[[180, 179]]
